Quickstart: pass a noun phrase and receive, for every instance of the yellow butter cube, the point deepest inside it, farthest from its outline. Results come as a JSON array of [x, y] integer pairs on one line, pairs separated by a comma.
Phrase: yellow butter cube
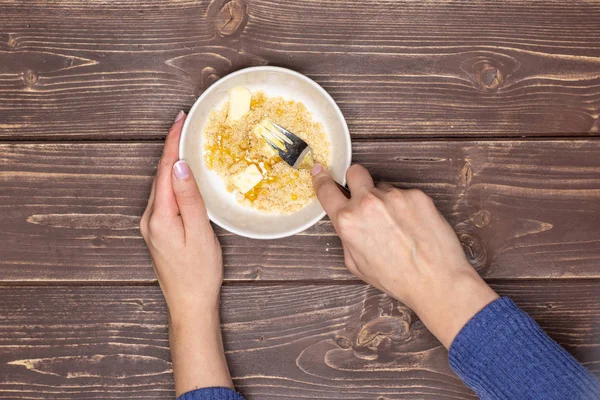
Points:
[[247, 179], [263, 147], [239, 103]]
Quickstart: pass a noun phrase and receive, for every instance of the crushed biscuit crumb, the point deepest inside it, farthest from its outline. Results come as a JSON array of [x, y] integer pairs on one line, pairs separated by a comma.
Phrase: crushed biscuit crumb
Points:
[[231, 147]]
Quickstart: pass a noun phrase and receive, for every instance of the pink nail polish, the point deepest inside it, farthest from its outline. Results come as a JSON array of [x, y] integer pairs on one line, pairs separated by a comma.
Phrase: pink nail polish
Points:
[[180, 115], [182, 170], [317, 169]]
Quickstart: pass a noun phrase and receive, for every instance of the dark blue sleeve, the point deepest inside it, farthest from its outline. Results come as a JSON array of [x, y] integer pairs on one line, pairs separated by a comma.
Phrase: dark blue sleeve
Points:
[[501, 353], [212, 393]]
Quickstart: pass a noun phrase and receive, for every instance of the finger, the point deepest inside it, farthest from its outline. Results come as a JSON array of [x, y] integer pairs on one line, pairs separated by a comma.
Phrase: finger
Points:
[[151, 197], [189, 200], [349, 261], [359, 179], [328, 194], [164, 199], [148, 210]]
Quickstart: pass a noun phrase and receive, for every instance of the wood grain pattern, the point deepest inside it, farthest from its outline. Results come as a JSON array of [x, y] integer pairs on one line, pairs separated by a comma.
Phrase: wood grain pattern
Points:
[[346, 342], [523, 209], [90, 74], [123, 69]]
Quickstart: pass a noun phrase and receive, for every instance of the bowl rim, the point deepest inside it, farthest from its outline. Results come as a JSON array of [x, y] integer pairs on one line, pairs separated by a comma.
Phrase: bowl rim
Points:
[[213, 87]]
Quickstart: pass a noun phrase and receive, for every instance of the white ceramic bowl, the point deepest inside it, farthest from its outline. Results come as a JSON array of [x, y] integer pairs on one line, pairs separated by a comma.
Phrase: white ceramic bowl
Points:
[[222, 207]]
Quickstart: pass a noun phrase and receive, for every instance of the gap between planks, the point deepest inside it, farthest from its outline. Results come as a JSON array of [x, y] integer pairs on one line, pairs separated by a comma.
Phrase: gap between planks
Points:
[[370, 139], [267, 283]]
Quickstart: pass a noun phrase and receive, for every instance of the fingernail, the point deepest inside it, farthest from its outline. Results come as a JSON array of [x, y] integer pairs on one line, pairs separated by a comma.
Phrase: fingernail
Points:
[[316, 170], [182, 170], [180, 115]]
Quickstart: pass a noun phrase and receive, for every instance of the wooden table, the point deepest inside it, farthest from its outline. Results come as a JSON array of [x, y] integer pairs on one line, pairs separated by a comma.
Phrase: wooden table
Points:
[[492, 109]]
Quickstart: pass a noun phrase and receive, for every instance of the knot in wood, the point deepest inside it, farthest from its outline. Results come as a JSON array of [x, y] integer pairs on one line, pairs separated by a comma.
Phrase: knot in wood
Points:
[[30, 78], [343, 342], [209, 76], [474, 250], [98, 241], [482, 219], [383, 329], [595, 126], [12, 42], [489, 77], [231, 17], [465, 175]]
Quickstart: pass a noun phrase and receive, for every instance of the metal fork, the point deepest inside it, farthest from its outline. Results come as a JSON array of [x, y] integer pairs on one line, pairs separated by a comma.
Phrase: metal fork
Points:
[[291, 148]]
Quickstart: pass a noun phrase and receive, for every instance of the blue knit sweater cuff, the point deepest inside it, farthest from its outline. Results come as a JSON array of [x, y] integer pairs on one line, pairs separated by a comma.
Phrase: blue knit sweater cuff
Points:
[[501, 353], [211, 393]]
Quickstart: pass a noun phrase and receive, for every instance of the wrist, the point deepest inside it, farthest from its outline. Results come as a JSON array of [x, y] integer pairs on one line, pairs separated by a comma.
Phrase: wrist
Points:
[[451, 301], [199, 309], [197, 348]]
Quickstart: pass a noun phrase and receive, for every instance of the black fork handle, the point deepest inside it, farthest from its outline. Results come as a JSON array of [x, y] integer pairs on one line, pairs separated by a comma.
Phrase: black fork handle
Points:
[[344, 190]]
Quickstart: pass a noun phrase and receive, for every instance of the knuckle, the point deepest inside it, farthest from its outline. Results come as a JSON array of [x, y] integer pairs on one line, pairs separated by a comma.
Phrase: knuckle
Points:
[[164, 162], [416, 193], [398, 199], [396, 195], [321, 186], [420, 197], [143, 229], [371, 201], [320, 181], [317, 183], [154, 226], [344, 220], [187, 197]]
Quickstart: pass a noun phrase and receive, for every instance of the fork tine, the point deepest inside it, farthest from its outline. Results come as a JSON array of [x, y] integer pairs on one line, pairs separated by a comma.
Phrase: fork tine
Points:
[[280, 136], [275, 138], [289, 136], [278, 149]]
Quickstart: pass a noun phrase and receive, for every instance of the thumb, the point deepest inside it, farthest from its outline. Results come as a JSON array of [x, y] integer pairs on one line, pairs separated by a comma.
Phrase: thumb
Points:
[[327, 192], [188, 197]]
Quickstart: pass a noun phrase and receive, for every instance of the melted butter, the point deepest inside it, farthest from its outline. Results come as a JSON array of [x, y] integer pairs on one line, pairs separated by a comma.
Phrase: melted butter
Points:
[[221, 152], [258, 100], [254, 192], [268, 178]]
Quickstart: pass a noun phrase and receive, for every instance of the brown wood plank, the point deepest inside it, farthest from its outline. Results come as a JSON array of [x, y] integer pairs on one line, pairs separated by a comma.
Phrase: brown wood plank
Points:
[[526, 209], [346, 341], [122, 69]]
